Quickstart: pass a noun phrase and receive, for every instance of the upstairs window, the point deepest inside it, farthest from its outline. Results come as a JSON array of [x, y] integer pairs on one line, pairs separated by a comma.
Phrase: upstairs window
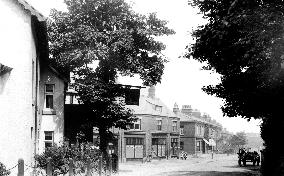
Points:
[[136, 125], [181, 130], [49, 92], [174, 126], [159, 125], [158, 108]]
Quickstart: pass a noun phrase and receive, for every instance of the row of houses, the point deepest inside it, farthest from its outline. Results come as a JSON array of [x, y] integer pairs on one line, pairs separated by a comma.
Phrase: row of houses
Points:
[[159, 131], [34, 115]]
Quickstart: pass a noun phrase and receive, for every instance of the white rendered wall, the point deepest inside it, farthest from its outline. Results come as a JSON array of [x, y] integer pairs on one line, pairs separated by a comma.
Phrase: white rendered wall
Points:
[[51, 122], [16, 111]]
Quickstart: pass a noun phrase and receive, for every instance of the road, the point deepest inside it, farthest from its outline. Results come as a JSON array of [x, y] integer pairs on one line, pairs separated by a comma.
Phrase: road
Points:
[[220, 165]]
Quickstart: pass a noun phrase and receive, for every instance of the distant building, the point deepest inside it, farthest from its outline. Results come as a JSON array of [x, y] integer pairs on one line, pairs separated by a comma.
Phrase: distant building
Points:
[[31, 92], [198, 134]]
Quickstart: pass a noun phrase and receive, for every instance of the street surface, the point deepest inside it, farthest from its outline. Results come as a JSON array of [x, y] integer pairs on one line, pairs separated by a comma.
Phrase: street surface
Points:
[[220, 165]]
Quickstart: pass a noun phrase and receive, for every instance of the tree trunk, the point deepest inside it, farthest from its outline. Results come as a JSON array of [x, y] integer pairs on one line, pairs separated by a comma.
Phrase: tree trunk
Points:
[[104, 140], [271, 132]]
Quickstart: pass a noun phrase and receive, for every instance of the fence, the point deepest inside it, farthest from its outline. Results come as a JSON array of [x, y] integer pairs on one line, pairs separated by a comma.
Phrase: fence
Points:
[[112, 168]]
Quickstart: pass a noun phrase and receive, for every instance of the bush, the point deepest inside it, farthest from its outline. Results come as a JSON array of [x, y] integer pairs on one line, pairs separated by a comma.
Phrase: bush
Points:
[[60, 158], [3, 170]]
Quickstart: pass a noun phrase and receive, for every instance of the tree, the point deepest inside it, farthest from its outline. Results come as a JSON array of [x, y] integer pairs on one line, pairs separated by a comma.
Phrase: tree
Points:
[[124, 43], [238, 140], [243, 42]]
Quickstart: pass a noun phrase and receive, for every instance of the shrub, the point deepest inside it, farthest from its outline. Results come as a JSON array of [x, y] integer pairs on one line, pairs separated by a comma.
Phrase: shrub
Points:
[[60, 158], [3, 170]]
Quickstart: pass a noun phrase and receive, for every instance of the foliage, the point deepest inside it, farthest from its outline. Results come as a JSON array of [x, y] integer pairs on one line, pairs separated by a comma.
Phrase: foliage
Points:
[[122, 41], [107, 30], [238, 140], [3, 170], [60, 158], [243, 42]]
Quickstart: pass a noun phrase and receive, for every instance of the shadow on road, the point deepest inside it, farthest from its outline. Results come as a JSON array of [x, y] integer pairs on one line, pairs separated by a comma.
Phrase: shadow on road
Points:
[[248, 167], [208, 173]]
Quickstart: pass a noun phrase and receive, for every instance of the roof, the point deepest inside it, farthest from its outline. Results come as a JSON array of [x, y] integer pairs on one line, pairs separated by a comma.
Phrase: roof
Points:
[[190, 118], [147, 106], [31, 9]]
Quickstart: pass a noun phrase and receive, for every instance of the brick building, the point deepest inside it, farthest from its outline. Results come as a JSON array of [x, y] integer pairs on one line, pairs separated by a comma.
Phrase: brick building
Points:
[[155, 132], [198, 134]]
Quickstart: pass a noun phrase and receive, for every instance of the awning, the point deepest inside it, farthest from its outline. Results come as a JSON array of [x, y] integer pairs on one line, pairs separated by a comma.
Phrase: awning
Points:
[[207, 142], [212, 142]]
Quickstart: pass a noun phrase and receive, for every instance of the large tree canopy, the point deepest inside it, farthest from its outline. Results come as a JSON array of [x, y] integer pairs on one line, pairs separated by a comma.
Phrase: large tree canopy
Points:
[[122, 41], [243, 41], [107, 29]]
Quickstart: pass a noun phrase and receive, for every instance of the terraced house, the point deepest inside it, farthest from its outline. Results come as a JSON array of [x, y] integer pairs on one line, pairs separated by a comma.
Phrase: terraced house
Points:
[[198, 134], [31, 92]]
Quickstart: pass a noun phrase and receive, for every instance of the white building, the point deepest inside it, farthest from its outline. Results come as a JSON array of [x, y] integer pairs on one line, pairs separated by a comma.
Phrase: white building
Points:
[[31, 92]]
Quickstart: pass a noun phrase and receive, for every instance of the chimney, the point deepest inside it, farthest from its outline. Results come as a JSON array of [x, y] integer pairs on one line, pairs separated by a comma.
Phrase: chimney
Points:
[[186, 109], [151, 92], [175, 109]]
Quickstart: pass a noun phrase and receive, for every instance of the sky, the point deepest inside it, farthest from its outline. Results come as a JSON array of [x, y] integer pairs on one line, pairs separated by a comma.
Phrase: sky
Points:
[[183, 78]]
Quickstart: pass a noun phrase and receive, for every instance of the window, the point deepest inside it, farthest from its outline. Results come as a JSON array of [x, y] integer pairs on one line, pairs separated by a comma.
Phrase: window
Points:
[[181, 130], [136, 125], [134, 141], [71, 99], [158, 108], [198, 147], [49, 91], [174, 126], [198, 130], [181, 145], [48, 138], [159, 125]]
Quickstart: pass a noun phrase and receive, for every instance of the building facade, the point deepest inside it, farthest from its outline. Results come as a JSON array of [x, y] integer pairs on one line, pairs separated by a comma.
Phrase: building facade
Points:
[[155, 133], [198, 134], [24, 83]]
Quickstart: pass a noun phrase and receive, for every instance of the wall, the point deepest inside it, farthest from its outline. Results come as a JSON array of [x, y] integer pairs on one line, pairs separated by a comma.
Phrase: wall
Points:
[[189, 144], [16, 113], [51, 120], [189, 129]]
